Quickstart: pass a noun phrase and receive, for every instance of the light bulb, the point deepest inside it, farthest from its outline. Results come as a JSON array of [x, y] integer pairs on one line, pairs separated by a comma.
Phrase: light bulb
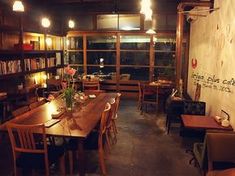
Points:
[[45, 22], [71, 24], [18, 6]]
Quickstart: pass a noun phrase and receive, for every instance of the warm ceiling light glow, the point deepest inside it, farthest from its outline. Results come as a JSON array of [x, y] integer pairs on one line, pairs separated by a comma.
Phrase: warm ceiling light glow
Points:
[[45, 22], [48, 41], [150, 31], [18, 6], [145, 6], [148, 15], [71, 24]]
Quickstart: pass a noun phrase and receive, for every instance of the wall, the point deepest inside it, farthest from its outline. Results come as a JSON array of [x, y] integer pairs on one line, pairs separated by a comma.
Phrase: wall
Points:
[[212, 59]]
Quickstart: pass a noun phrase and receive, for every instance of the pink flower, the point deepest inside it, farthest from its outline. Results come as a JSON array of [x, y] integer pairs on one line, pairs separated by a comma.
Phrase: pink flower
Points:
[[70, 71]]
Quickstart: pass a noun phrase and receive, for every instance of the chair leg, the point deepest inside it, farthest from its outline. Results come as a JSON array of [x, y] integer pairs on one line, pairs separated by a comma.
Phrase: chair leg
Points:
[[62, 165], [168, 127], [114, 128], [107, 140], [70, 153], [101, 161]]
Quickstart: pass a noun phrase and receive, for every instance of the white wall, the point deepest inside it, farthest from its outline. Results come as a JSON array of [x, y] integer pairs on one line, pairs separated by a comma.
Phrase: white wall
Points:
[[212, 45]]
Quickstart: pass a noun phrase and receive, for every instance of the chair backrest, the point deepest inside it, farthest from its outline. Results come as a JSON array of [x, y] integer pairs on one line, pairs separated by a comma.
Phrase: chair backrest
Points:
[[117, 103], [140, 89], [197, 92], [103, 123], [23, 140], [91, 85], [36, 104], [150, 93], [112, 112], [20, 111], [220, 148], [194, 108]]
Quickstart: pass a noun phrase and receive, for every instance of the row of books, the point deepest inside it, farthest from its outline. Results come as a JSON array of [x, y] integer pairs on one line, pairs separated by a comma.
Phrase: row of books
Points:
[[14, 66], [9, 67], [52, 62], [34, 64]]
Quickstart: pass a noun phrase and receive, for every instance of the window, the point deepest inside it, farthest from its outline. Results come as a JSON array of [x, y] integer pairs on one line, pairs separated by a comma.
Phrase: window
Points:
[[107, 22], [129, 22]]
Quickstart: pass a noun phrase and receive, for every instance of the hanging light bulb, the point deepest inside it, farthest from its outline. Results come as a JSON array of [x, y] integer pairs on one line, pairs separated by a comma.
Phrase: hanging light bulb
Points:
[[71, 24], [148, 15], [45, 22], [145, 6], [18, 6]]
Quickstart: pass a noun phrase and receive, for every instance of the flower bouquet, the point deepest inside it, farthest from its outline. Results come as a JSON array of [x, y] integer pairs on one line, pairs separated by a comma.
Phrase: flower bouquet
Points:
[[69, 91]]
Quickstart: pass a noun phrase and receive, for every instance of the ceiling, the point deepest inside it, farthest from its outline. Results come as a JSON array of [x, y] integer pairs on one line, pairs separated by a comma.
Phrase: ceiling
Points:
[[103, 6]]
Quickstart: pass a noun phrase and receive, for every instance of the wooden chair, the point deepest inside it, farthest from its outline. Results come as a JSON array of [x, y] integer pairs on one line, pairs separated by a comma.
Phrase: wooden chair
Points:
[[110, 133], [90, 85], [30, 150], [140, 95], [36, 104], [115, 116], [97, 140], [220, 150], [20, 111], [150, 96]]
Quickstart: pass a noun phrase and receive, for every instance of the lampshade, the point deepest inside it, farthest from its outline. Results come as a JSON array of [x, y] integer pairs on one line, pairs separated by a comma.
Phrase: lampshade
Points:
[[45, 22], [18, 6], [71, 24], [150, 31]]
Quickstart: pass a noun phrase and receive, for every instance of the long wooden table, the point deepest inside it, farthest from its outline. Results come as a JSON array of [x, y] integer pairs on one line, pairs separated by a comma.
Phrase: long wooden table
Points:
[[202, 122], [77, 124]]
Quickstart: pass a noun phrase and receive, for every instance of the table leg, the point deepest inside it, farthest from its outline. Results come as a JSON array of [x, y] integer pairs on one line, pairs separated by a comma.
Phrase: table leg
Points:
[[81, 158]]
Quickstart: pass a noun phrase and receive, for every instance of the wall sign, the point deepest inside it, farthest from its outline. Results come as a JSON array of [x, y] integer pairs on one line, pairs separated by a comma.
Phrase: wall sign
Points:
[[214, 82]]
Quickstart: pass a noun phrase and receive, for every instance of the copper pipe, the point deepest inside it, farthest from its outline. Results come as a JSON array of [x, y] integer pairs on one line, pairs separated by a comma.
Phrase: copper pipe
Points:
[[180, 32]]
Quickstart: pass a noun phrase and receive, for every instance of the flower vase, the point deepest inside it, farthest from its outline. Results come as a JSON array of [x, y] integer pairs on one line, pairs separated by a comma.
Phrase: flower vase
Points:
[[69, 103], [68, 95]]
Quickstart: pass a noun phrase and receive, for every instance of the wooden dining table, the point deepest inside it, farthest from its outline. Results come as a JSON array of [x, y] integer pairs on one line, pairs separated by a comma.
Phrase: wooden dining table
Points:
[[75, 124], [202, 122]]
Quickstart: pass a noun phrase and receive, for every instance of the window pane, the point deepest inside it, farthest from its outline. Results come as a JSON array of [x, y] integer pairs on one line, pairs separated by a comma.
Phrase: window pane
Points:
[[134, 58], [165, 59], [94, 57], [75, 43], [164, 44], [107, 22], [134, 73], [101, 42], [104, 70], [75, 57], [135, 42], [164, 73], [129, 22]]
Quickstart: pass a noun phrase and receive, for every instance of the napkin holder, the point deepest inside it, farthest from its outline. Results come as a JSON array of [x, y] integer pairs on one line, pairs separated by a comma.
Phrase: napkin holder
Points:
[[57, 114]]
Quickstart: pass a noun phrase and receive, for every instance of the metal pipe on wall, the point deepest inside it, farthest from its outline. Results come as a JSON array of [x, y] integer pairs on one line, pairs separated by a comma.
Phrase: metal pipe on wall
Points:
[[180, 32]]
